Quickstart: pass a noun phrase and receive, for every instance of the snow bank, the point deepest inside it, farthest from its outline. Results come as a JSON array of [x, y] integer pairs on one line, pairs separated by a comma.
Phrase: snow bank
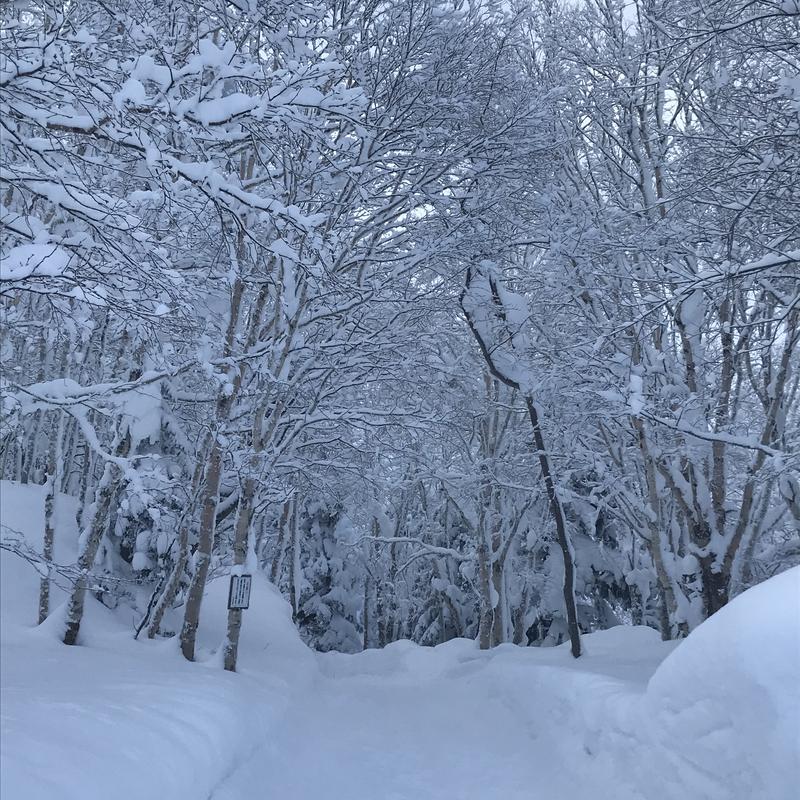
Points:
[[22, 520], [724, 707], [110, 722], [584, 711], [126, 719]]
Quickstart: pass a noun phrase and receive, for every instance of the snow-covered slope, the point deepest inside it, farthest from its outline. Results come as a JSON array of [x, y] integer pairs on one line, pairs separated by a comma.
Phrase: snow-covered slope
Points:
[[22, 518], [125, 719], [724, 708], [713, 718]]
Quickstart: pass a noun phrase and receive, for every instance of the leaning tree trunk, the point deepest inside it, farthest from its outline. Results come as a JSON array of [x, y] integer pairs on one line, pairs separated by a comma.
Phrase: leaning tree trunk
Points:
[[105, 493], [174, 582], [554, 501]]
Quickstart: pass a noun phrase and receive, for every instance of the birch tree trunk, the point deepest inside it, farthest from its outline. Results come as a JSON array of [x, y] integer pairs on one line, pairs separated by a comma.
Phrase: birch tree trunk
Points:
[[205, 544], [173, 584], [241, 538], [213, 471], [106, 490], [53, 460]]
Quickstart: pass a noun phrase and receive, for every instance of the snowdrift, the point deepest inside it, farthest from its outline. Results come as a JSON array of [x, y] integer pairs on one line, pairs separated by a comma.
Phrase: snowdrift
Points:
[[126, 719], [714, 717], [724, 708], [22, 519]]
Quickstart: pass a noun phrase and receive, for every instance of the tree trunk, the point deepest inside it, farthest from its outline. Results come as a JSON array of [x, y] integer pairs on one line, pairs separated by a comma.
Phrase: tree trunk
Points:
[[366, 615], [498, 578], [106, 490], [205, 544], [485, 589], [556, 509], [48, 541], [173, 585], [562, 536], [280, 550], [294, 572], [241, 538], [213, 475], [715, 586]]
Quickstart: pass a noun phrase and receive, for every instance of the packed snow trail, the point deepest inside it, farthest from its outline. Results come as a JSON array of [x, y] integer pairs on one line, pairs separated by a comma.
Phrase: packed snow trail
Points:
[[414, 724], [363, 741]]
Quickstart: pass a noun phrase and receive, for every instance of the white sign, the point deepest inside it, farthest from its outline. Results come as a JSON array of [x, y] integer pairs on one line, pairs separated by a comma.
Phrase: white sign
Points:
[[239, 593]]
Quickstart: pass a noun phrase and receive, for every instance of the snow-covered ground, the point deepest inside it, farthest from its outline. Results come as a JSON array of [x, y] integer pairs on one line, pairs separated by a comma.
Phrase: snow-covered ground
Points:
[[715, 718], [124, 719], [453, 723]]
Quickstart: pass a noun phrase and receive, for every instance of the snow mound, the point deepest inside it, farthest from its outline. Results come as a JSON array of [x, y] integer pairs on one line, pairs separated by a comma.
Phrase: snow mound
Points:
[[725, 705], [121, 718], [269, 641]]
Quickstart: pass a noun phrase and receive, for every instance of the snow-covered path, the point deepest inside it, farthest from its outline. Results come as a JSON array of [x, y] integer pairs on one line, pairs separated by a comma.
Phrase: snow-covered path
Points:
[[364, 741], [420, 726]]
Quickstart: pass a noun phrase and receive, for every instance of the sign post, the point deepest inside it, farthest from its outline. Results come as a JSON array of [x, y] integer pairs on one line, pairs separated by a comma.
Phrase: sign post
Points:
[[239, 591]]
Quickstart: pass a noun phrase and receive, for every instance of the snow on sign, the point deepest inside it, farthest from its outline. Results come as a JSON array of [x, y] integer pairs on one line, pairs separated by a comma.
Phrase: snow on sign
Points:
[[239, 592]]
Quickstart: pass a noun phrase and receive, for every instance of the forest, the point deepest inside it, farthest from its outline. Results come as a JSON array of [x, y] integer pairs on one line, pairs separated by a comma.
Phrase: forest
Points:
[[418, 307], [450, 319]]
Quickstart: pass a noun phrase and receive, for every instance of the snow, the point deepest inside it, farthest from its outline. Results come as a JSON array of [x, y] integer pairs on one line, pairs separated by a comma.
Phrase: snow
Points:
[[142, 410], [132, 91], [126, 719], [773, 259], [223, 109], [212, 56], [725, 706], [33, 261], [500, 326], [146, 69], [307, 96], [282, 249], [692, 311], [78, 720], [449, 722], [636, 399], [635, 718]]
